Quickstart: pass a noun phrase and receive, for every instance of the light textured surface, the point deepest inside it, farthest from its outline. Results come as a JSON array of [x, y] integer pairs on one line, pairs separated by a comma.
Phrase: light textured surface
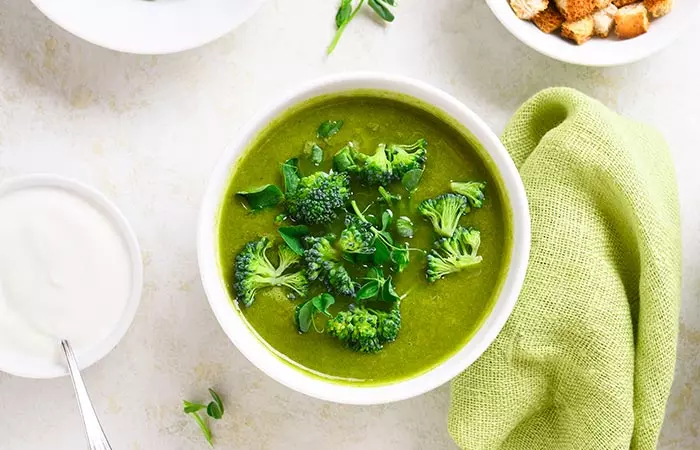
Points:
[[147, 131]]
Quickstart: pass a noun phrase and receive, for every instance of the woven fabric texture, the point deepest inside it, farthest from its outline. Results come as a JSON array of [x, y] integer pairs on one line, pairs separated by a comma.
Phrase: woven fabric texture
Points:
[[587, 358]]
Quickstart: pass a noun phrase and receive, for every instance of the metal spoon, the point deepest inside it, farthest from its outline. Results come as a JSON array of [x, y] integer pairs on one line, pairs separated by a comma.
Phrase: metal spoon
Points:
[[93, 430]]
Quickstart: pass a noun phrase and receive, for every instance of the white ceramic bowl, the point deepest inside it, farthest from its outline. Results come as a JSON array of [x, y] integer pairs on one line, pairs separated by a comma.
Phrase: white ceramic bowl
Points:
[[149, 26], [257, 351], [34, 368], [600, 52]]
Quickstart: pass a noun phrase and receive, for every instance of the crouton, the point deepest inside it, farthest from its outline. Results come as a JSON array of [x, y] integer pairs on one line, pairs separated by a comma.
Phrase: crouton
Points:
[[573, 10], [579, 31], [527, 9], [658, 8], [603, 21], [631, 21], [602, 4], [549, 20], [621, 3]]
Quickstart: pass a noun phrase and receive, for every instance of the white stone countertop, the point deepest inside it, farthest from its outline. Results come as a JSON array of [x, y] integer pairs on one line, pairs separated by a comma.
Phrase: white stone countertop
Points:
[[148, 130]]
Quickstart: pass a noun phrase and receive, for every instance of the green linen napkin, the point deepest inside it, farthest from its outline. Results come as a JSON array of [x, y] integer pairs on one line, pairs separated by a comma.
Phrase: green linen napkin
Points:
[[586, 360]]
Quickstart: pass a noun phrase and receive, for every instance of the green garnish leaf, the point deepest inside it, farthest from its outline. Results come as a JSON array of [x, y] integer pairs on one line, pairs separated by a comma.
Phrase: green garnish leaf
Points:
[[291, 175], [400, 257], [368, 290], [214, 411], [381, 252], [404, 226], [292, 237], [279, 218], [389, 293], [411, 180], [190, 407], [316, 155], [322, 303], [344, 13], [263, 197], [386, 219], [217, 401], [381, 9], [329, 128], [387, 236], [305, 312]]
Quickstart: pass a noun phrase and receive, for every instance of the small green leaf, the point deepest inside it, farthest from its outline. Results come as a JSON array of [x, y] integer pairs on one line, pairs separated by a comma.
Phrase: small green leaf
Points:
[[217, 400], [369, 290], [381, 10], [279, 218], [381, 253], [322, 303], [214, 411], [344, 13], [304, 316], [404, 226], [386, 219], [400, 257], [291, 235], [375, 273], [411, 180], [263, 197], [291, 175], [329, 128], [190, 407], [316, 155], [388, 292], [387, 237]]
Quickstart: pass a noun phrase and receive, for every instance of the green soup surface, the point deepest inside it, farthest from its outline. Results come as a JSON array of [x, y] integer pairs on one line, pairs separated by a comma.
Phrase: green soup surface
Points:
[[437, 318]]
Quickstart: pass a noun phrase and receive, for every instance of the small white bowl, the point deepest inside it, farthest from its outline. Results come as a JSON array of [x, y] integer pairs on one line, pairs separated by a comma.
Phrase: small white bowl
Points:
[[34, 368], [600, 52], [258, 352], [149, 26]]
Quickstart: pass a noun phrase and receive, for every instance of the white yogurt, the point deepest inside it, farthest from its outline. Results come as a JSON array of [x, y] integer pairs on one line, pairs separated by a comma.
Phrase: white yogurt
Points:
[[65, 273]]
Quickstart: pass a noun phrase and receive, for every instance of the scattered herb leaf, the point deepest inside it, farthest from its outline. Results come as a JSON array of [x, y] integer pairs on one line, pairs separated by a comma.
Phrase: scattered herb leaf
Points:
[[381, 8], [292, 234], [386, 219], [291, 175], [215, 410], [190, 407], [411, 180], [345, 15], [404, 226], [314, 153], [381, 252], [329, 128], [322, 303], [217, 401], [279, 218], [368, 290], [263, 197], [305, 312], [389, 293]]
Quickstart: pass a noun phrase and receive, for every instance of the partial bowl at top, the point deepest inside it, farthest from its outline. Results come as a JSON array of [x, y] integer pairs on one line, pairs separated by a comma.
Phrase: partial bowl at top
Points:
[[447, 324], [149, 27], [600, 52]]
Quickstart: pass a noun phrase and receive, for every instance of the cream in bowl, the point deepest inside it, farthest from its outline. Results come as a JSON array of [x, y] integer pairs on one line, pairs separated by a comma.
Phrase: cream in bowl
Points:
[[70, 269], [327, 280]]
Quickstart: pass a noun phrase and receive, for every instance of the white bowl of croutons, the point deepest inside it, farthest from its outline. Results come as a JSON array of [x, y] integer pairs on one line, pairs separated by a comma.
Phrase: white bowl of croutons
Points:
[[596, 32]]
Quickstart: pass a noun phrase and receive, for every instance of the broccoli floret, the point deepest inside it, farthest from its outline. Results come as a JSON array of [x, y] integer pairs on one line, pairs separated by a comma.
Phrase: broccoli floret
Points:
[[473, 190], [254, 271], [348, 159], [318, 198], [377, 168], [453, 254], [366, 330], [444, 212], [408, 157], [323, 262], [357, 237]]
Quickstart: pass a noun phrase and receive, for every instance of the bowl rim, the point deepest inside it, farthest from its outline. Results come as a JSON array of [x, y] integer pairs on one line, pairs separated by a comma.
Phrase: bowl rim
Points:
[[151, 46], [257, 351], [26, 368], [627, 54]]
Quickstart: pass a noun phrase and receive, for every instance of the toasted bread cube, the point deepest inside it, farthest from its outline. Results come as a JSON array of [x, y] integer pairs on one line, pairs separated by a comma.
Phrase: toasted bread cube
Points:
[[631, 21], [579, 31], [573, 10], [527, 9], [602, 4], [621, 3], [549, 20], [658, 8], [604, 20]]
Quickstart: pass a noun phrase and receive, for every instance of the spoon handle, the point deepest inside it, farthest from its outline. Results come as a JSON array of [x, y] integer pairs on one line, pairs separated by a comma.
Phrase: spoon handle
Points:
[[95, 435]]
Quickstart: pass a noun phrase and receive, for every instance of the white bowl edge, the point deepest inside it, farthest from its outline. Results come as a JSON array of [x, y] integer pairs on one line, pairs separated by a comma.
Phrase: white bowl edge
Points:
[[258, 352]]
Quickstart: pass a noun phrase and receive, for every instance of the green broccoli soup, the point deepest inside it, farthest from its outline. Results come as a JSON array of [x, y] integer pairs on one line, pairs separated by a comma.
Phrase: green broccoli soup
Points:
[[364, 237]]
